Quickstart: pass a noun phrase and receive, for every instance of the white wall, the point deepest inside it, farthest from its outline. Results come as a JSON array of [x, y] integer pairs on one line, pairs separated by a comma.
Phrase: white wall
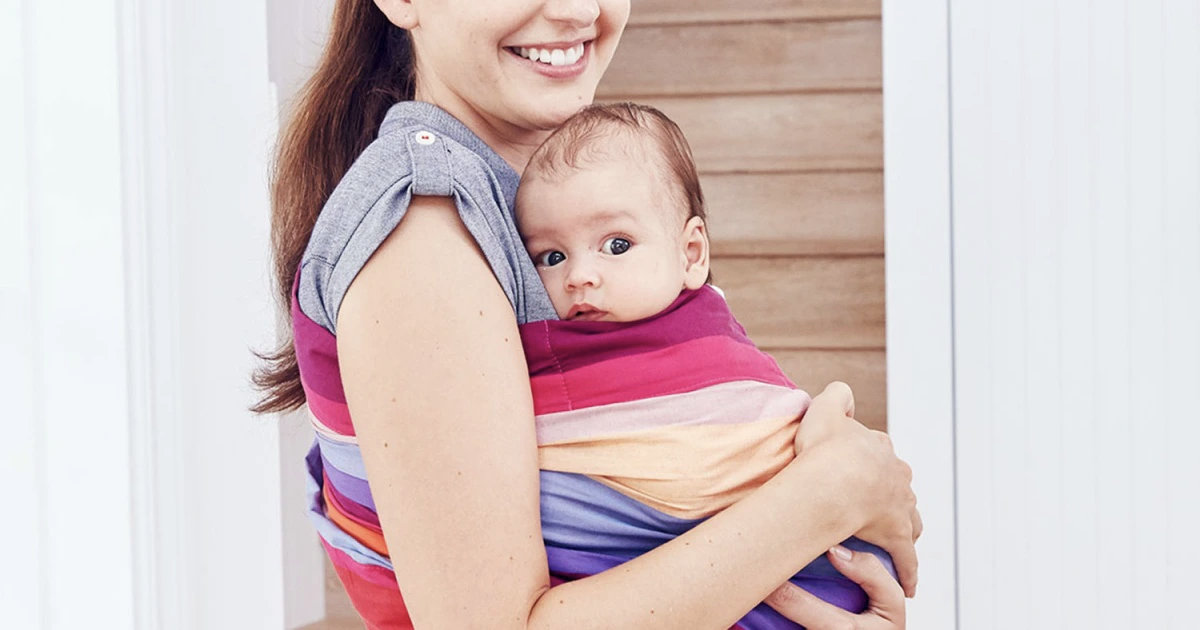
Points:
[[67, 458], [1067, 135], [1076, 231], [142, 493]]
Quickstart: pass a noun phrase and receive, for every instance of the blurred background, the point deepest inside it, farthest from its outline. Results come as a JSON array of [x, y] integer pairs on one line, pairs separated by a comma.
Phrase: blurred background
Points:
[[985, 217]]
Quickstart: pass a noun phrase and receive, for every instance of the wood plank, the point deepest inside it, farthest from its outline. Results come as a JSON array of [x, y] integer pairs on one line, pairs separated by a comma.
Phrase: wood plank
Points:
[[674, 12], [864, 370], [776, 214], [741, 58], [826, 303], [780, 132]]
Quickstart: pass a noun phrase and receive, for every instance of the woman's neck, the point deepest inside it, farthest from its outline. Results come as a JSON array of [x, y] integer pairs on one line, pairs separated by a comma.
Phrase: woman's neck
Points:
[[512, 143]]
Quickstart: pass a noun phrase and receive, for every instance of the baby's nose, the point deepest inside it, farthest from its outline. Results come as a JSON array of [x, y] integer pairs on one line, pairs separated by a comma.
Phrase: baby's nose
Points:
[[582, 274]]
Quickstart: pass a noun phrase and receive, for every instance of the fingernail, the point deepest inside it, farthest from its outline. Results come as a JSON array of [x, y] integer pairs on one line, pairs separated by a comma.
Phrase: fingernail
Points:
[[842, 552]]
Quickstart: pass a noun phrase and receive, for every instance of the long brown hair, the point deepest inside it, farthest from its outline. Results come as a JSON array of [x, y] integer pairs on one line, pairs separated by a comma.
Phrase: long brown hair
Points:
[[367, 66]]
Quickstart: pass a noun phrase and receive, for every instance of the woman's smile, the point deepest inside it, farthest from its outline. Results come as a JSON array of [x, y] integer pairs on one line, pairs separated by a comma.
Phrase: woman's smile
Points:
[[556, 60]]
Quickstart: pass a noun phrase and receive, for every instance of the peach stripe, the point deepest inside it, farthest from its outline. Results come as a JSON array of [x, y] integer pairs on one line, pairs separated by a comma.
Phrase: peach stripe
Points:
[[683, 471]]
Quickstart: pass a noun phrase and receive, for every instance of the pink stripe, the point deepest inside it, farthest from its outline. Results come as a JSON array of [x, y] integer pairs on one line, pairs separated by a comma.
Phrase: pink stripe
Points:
[[711, 361], [724, 404], [333, 414]]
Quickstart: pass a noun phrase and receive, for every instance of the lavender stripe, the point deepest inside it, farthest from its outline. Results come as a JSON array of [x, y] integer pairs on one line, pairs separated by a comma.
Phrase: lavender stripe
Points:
[[344, 456], [353, 488]]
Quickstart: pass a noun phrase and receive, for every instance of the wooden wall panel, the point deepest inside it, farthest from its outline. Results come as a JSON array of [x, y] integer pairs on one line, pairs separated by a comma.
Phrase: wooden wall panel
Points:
[[780, 132], [728, 58], [675, 12], [864, 370], [792, 302], [776, 214]]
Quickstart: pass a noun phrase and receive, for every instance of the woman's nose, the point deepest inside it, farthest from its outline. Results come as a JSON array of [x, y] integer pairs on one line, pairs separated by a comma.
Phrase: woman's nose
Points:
[[577, 13]]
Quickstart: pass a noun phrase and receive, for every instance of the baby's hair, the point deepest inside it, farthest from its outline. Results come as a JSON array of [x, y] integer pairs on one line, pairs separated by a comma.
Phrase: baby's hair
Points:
[[587, 136]]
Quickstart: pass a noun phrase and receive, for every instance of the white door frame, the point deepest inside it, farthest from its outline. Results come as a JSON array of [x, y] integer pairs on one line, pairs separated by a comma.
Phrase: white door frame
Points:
[[919, 272]]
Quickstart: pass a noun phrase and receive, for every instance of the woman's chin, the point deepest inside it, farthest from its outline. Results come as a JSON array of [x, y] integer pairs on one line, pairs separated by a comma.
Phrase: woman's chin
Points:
[[550, 116]]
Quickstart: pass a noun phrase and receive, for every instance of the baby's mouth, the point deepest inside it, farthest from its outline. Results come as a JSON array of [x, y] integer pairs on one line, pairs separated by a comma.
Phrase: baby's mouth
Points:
[[550, 56], [585, 313]]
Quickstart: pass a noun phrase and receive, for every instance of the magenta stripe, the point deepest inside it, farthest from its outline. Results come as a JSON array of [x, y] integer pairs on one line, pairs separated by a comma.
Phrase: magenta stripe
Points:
[[553, 345], [316, 353]]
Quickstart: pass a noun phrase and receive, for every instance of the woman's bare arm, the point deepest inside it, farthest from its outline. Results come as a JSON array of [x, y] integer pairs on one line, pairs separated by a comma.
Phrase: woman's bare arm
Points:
[[437, 385]]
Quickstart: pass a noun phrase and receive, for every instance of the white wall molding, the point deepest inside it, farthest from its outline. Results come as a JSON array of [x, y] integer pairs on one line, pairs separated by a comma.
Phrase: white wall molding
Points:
[[159, 529], [22, 583], [920, 357]]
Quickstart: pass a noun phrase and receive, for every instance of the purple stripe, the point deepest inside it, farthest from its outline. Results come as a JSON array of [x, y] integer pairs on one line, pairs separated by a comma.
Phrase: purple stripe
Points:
[[575, 563], [352, 509], [351, 488], [838, 591]]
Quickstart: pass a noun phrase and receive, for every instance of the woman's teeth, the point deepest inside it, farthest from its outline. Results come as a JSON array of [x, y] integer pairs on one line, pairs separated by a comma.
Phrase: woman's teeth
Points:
[[553, 57]]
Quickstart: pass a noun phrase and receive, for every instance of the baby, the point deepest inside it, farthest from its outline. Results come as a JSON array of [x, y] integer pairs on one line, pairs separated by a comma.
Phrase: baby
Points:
[[654, 410]]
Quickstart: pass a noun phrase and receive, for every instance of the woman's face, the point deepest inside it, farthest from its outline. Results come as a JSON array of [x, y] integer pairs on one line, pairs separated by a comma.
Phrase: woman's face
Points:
[[525, 64]]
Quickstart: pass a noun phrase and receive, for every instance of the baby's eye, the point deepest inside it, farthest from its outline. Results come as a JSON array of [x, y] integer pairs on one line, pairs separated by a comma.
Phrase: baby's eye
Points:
[[616, 246], [550, 258]]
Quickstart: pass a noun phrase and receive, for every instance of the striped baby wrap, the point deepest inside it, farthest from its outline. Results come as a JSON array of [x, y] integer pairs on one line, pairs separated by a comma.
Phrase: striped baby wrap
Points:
[[646, 428]]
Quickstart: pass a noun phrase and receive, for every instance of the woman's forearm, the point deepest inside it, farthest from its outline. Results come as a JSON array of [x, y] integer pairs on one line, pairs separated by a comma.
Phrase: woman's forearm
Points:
[[710, 576]]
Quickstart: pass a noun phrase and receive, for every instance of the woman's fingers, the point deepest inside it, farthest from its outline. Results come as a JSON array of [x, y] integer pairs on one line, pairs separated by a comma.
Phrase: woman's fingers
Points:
[[885, 596], [904, 557], [837, 395], [807, 609], [826, 416]]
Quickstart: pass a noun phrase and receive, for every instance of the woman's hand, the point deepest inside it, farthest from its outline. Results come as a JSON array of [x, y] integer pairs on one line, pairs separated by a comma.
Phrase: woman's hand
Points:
[[875, 484], [885, 608]]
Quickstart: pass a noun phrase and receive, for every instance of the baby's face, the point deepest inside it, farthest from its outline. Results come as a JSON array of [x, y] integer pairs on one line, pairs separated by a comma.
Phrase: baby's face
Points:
[[608, 240]]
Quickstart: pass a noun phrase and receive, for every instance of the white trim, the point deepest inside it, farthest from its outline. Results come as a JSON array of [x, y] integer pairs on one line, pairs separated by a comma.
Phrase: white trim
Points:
[[920, 357], [152, 316], [22, 582]]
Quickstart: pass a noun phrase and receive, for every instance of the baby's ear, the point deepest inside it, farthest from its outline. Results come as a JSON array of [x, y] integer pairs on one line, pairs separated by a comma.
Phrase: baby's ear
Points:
[[695, 251]]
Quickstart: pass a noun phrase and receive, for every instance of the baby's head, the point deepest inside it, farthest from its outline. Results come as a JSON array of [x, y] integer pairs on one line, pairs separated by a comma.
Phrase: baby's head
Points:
[[611, 212]]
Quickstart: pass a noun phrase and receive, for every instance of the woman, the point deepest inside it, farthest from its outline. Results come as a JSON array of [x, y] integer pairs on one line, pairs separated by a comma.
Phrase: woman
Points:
[[406, 293]]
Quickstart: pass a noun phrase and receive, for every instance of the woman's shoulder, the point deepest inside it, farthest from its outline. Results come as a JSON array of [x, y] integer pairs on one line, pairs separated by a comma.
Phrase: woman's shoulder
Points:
[[420, 150]]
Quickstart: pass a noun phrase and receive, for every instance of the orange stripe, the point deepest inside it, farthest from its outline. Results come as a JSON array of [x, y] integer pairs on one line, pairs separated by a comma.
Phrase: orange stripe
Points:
[[370, 539]]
